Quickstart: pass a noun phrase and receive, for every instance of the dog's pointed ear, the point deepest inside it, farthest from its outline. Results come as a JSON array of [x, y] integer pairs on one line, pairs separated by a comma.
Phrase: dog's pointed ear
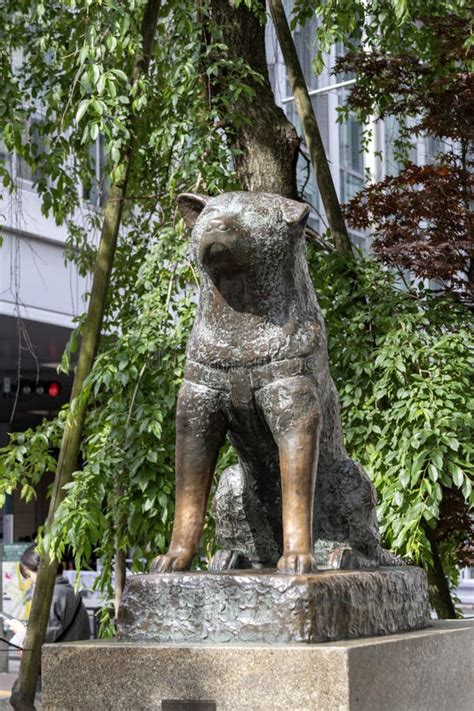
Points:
[[191, 206], [295, 213]]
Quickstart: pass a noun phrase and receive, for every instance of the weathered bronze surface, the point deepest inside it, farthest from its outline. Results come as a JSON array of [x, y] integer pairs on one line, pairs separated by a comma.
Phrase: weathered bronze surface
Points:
[[257, 371], [264, 606]]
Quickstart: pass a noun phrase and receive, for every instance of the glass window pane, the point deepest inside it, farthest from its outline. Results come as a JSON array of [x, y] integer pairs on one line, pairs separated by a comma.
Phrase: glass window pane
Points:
[[23, 170], [392, 164], [433, 148], [5, 156], [38, 148], [90, 189], [398, 147], [304, 39], [96, 192], [32, 136], [350, 136], [103, 181], [350, 185]]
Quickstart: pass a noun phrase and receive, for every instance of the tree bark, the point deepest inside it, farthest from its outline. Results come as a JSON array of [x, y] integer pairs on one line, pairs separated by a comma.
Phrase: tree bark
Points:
[[25, 687], [441, 598], [120, 576], [311, 130], [266, 143]]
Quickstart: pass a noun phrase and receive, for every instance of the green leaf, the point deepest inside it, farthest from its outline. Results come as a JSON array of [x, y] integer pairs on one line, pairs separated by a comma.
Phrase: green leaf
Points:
[[101, 83], [466, 488], [433, 471], [404, 478], [457, 474], [120, 74], [83, 106]]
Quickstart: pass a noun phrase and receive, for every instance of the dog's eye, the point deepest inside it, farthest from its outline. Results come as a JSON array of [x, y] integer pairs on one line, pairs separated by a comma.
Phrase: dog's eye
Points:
[[212, 212]]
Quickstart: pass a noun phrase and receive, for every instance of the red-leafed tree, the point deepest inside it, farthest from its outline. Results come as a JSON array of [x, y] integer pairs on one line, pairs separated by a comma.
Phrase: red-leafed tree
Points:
[[421, 218], [421, 221]]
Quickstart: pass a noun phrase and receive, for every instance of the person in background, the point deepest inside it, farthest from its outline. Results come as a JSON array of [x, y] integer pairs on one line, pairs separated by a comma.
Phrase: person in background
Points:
[[68, 619]]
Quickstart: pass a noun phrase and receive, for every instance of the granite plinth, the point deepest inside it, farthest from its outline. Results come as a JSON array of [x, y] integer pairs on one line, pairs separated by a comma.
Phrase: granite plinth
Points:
[[258, 606], [428, 670]]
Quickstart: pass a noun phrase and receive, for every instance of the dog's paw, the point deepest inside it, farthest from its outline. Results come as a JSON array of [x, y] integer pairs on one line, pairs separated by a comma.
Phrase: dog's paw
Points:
[[297, 563], [228, 560], [170, 562]]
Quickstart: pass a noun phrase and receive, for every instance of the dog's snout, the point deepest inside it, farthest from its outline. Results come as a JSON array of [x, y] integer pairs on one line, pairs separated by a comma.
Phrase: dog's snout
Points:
[[217, 250], [219, 224]]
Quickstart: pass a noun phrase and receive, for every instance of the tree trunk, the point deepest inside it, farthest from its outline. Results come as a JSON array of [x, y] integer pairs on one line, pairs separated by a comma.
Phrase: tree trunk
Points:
[[311, 130], [266, 143], [120, 576], [466, 165], [25, 687], [441, 597]]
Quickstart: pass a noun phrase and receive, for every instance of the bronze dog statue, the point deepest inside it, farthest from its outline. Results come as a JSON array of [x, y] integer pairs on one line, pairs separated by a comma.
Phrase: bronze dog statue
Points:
[[257, 371]]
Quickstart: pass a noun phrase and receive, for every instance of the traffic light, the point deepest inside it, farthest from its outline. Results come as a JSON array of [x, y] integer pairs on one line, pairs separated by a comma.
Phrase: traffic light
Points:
[[54, 388], [40, 388]]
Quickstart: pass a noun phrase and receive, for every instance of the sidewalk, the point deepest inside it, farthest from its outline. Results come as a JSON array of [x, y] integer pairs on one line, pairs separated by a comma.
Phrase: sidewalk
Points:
[[6, 683]]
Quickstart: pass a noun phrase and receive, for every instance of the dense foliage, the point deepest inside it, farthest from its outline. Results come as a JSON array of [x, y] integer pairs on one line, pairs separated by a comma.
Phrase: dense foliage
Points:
[[403, 361]]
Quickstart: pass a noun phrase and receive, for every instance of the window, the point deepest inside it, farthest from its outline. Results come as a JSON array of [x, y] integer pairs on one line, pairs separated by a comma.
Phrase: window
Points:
[[5, 157], [304, 39], [96, 192], [396, 148], [31, 136], [340, 51], [433, 148], [350, 156], [391, 135]]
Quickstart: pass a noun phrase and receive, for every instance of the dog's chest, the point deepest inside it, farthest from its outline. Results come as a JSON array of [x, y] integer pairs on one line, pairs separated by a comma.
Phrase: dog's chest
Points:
[[238, 385]]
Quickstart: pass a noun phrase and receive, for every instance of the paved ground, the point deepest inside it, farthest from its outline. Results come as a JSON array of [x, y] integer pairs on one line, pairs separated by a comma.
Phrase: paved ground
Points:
[[6, 683], [7, 680]]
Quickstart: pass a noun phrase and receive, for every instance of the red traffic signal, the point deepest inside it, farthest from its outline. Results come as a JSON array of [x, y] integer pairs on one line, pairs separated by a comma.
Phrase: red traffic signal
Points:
[[30, 388], [54, 388]]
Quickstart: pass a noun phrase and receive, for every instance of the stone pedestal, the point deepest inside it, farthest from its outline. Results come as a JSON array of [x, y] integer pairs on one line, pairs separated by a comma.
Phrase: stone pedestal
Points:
[[268, 607], [428, 670]]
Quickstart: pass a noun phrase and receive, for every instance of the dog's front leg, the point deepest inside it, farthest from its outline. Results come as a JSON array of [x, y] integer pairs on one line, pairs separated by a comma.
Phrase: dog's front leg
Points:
[[291, 408], [200, 432]]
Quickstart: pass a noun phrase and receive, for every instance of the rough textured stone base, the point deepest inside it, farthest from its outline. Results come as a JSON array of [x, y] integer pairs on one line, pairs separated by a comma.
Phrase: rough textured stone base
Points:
[[256, 606], [428, 670]]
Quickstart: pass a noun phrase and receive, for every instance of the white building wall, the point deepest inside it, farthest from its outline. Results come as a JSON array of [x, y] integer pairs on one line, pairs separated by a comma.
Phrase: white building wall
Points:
[[35, 281]]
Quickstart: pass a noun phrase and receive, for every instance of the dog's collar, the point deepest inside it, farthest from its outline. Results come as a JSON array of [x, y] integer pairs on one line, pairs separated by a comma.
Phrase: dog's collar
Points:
[[242, 381]]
